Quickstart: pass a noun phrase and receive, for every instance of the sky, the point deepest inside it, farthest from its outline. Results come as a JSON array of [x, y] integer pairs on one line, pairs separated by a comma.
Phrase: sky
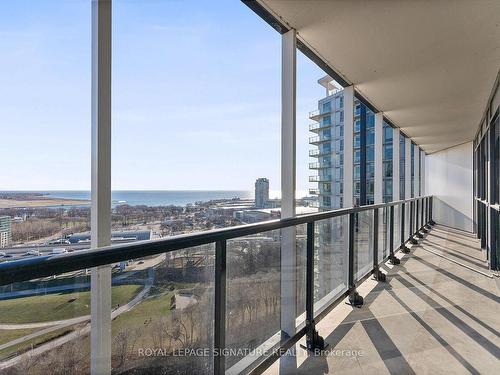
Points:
[[195, 96]]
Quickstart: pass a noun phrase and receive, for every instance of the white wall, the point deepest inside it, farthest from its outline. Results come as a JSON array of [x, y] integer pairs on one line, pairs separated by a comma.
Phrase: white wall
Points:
[[449, 179]]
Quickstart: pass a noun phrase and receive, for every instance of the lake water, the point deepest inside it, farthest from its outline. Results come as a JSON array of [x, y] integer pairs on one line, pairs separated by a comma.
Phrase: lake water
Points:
[[154, 197]]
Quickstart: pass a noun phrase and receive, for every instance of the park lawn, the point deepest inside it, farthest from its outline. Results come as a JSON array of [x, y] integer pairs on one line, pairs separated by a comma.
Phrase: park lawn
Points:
[[58, 306], [151, 307], [7, 335]]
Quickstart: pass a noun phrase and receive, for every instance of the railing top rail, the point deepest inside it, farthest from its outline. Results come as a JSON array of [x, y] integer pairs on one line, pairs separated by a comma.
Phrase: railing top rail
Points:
[[43, 266]]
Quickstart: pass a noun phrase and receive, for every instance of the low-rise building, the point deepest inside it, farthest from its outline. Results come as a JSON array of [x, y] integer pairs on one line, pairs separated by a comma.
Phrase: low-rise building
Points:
[[5, 231]]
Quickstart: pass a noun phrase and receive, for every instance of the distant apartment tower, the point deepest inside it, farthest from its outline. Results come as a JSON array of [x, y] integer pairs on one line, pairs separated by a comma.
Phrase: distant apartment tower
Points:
[[261, 192], [5, 231]]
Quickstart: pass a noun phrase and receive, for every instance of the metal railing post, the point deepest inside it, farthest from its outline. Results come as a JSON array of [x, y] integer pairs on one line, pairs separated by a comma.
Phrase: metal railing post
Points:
[[403, 246], [412, 240], [379, 275], [313, 339], [354, 298], [220, 308], [392, 258]]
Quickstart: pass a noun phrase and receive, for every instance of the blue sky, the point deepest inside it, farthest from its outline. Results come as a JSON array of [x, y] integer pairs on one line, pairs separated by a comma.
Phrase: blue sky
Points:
[[196, 96]]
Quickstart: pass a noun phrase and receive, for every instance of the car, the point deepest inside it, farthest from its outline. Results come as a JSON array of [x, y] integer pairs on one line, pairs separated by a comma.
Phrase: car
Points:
[[2, 254], [33, 253], [59, 251]]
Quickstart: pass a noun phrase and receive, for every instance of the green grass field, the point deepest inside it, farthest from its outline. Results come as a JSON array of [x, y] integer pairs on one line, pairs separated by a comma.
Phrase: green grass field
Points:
[[7, 335], [58, 306]]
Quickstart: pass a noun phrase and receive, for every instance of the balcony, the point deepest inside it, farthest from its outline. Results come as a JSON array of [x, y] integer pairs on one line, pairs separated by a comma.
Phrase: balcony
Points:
[[317, 178], [316, 115], [319, 192], [319, 139], [320, 165], [316, 152], [179, 272], [317, 126]]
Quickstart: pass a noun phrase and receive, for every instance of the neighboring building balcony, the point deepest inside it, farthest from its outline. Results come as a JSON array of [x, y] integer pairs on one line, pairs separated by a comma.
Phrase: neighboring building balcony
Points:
[[319, 139], [319, 192], [320, 165], [317, 178], [317, 126], [316, 152], [317, 114]]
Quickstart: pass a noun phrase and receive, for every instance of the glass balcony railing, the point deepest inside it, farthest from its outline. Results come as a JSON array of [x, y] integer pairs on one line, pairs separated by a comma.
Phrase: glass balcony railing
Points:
[[315, 127], [319, 192], [317, 152], [314, 114], [320, 178], [320, 165], [217, 291], [319, 139]]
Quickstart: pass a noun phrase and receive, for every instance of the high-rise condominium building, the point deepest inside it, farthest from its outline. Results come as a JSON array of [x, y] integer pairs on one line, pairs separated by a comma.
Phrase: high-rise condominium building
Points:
[[261, 192], [329, 152], [5, 231]]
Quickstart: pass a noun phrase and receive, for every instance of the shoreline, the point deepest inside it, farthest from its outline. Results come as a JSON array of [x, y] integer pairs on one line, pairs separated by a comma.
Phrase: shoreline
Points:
[[45, 202]]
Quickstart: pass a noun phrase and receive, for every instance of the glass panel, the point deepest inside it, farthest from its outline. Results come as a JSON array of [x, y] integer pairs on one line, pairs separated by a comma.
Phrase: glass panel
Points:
[[397, 227], [301, 243], [253, 292], [331, 258], [363, 243], [46, 323], [167, 309], [383, 233]]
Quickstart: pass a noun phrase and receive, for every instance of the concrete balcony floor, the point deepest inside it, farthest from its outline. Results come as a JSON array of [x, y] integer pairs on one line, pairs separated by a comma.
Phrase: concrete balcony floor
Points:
[[432, 316]]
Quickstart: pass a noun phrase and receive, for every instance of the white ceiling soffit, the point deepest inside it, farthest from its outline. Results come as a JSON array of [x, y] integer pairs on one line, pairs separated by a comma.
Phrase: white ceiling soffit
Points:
[[428, 65]]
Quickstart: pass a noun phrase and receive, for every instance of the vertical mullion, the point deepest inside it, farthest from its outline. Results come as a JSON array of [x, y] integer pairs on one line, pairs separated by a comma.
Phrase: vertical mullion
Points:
[[100, 289], [220, 307]]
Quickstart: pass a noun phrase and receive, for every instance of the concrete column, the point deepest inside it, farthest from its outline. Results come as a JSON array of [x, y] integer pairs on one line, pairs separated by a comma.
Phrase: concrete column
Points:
[[395, 164], [100, 334], [288, 363], [348, 146], [379, 141], [407, 168]]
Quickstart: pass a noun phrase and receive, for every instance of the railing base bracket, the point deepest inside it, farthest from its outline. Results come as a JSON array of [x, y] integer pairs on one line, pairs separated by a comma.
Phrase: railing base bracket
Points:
[[424, 230], [413, 241], [314, 341], [428, 226], [404, 249], [394, 260], [355, 299], [432, 223], [380, 276]]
